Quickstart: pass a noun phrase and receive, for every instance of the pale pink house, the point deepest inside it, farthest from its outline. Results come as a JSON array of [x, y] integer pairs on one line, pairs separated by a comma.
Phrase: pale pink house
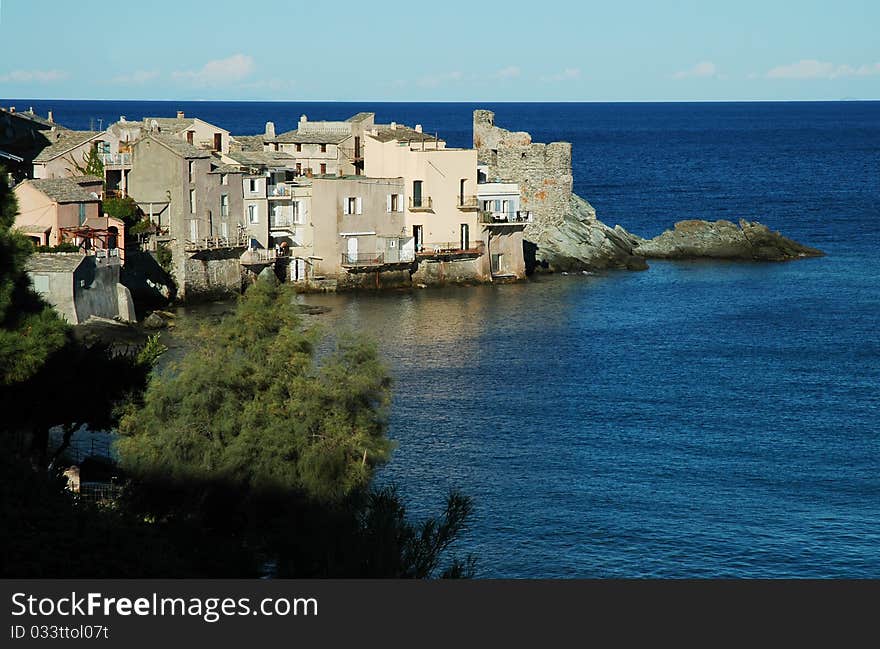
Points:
[[55, 210]]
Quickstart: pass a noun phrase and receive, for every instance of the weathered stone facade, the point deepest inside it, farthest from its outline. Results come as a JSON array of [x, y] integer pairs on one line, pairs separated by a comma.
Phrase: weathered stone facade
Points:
[[565, 233]]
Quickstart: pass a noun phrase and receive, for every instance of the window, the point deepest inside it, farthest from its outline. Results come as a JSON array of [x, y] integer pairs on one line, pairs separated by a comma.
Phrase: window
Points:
[[224, 205], [394, 203], [224, 179], [323, 169], [224, 229], [252, 185], [192, 166], [82, 213], [299, 147], [323, 148], [253, 217], [354, 205], [298, 213], [192, 201], [299, 169]]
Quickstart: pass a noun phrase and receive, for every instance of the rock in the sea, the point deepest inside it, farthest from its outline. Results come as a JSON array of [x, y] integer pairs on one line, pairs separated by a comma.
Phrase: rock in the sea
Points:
[[154, 321], [751, 241], [580, 241]]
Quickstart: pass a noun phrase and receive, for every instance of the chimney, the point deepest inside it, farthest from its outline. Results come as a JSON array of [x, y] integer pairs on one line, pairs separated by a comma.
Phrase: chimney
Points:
[[51, 117], [12, 109], [270, 129], [180, 114], [31, 110], [418, 128], [393, 124], [303, 118], [122, 118]]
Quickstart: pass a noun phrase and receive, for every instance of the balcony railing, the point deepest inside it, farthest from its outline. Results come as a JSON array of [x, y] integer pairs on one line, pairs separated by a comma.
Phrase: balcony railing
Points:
[[213, 243], [283, 222], [116, 159], [467, 203], [451, 248], [360, 259], [502, 218], [421, 204]]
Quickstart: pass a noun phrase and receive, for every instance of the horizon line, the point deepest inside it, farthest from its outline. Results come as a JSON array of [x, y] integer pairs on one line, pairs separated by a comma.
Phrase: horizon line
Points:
[[456, 101]]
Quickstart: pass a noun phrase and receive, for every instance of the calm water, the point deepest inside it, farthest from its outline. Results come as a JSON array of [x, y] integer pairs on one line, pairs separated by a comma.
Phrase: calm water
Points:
[[693, 420]]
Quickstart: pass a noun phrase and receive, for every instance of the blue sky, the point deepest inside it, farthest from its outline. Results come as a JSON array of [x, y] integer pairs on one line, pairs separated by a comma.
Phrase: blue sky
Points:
[[441, 51]]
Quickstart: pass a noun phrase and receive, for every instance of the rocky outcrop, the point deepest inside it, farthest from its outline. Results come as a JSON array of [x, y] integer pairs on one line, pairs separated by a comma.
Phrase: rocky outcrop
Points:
[[580, 241], [750, 241], [565, 233]]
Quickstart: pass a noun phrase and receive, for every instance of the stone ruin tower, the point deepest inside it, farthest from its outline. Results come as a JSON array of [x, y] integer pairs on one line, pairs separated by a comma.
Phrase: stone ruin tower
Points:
[[543, 171], [565, 233]]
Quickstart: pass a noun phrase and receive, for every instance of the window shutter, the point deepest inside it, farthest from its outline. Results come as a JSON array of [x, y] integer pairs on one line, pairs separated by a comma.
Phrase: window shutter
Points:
[[345, 206], [388, 202], [400, 202], [359, 205]]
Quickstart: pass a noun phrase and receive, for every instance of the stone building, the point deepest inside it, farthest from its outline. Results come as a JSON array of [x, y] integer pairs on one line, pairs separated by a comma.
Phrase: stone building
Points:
[[81, 286], [52, 211], [454, 238], [563, 232], [173, 183]]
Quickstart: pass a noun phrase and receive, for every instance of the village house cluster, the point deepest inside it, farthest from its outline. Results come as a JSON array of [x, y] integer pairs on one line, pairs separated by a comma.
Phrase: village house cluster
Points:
[[326, 205]]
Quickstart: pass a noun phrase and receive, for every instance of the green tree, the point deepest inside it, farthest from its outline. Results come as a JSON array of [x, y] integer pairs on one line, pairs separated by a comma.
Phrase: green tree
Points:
[[91, 164], [249, 404], [255, 453], [124, 208], [30, 331]]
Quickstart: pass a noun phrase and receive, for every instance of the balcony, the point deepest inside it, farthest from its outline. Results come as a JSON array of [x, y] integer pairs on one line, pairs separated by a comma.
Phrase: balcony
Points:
[[216, 243], [116, 160], [362, 259], [451, 250], [507, 218], [375, 261], [467, 203], [282, 223], [423, 204]]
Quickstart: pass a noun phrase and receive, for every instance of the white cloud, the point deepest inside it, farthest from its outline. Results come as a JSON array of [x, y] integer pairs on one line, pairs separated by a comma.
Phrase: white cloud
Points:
[[569, 74], [814, 69], [35, 76], [219, 72], [509, 72], [434, 80], [702, 70], [137, 77]]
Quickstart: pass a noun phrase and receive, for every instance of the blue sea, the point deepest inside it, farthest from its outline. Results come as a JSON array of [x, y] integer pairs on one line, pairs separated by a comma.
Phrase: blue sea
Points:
[[698, 419]]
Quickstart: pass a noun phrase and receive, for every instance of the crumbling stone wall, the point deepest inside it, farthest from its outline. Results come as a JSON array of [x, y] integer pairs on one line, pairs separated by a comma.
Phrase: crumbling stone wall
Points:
[[543, 171], [565, 233]]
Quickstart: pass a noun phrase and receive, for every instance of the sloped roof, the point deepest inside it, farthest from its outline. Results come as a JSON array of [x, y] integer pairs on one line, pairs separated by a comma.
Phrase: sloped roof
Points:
[[171, 125], [312, 137], [63, 141], [178, 147], [250, 142], [402, 134], [261, 158], [359, 117], [54, 262], [62, 190]]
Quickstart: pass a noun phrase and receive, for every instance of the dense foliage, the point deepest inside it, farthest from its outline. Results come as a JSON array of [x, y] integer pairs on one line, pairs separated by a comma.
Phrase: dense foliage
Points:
[[124, 208], [266, 457]]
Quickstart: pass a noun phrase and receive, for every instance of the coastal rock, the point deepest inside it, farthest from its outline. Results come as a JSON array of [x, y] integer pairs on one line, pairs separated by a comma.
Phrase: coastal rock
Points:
[[579, 241], [154, 321], [750, 241], [564, 234]]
